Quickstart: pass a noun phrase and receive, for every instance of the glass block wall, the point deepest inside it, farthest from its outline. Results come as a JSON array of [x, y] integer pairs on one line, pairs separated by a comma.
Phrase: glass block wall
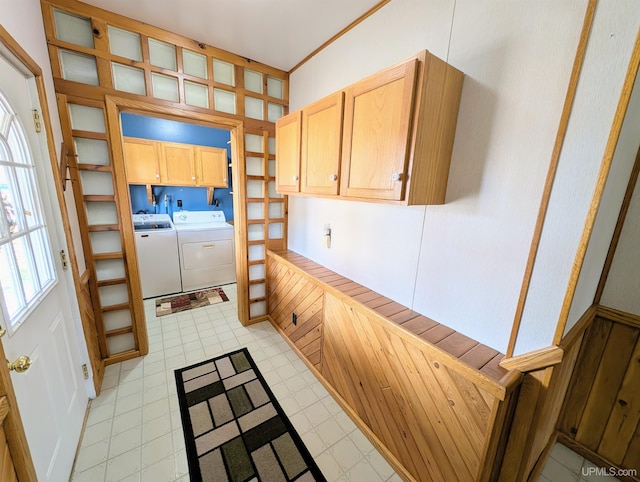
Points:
[[95, 53]]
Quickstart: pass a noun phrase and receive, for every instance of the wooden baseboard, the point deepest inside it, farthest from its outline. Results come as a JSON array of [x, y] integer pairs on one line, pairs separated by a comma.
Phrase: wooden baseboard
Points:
[[619, 316]]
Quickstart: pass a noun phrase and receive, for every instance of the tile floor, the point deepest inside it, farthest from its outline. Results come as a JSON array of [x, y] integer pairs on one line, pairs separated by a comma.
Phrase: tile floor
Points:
[[134, 432], [564, 465]]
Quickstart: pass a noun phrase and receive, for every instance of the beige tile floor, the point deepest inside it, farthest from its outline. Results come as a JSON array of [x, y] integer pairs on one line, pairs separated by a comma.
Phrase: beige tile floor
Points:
[[564, 465], [134, 431]]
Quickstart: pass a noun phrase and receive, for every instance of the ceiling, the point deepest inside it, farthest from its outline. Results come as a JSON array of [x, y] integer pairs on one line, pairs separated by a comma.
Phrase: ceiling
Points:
[[279, 33]]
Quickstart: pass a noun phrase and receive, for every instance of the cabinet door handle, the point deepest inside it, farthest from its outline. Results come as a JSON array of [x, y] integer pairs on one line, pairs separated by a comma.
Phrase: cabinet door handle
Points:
[[157, 176], [295, 178], [397, 176], [333, 177], [193, 178]]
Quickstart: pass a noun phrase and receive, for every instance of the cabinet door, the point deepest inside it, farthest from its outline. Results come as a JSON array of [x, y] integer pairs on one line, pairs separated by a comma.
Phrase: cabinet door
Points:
[[288, 153], [178, 164], [141, 161], [212, 166], [377, 127], [321, 145]]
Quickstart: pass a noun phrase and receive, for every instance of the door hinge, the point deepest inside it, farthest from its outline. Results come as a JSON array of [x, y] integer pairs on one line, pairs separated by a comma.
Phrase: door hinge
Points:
[[85, 371], [36, 120], [63, 259]]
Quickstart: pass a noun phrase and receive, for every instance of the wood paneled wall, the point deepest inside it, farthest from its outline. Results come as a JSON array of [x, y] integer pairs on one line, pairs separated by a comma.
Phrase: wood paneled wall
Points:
[[601, 414], [433, 414]]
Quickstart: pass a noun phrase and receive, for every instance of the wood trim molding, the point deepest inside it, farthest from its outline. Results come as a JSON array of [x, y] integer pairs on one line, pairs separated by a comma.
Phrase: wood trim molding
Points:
[[605, 167], [618, 230], [619, 316], [534, 360], [342, 32], [575, 334], [553, 166]]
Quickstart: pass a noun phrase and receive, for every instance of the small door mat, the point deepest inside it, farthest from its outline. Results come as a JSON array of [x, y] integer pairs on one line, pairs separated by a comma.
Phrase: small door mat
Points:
[[188, 301], [234, 428]]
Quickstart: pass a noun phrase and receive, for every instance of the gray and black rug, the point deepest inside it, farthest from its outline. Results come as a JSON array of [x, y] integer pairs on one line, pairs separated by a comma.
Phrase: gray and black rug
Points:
[[234, 428]]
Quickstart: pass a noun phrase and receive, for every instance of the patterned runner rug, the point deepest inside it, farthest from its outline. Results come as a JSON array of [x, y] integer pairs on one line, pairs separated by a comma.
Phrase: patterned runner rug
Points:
[[234, 428], [188, 301]]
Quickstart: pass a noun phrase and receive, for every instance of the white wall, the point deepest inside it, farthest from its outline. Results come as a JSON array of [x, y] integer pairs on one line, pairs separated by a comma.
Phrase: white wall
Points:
[[622, 290], [461, 263], [608, 53]]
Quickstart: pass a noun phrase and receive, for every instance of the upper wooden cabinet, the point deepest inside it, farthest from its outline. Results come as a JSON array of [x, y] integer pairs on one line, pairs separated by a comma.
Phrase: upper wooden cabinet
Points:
[[391, 142], [141, 161], [288, 153], [212, 166], [177, 164], [377, 121], [174, 164], [321, 145]]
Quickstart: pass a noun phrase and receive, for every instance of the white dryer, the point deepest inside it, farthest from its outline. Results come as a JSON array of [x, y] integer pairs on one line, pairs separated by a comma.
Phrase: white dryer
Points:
[[206, 248]]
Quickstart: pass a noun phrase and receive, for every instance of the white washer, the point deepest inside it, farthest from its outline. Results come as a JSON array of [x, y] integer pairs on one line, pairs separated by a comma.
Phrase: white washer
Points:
[[157, 250], [206, 246]]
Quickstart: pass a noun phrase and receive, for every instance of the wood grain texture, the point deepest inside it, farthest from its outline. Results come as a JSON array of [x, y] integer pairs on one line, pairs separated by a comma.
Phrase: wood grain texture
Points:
[[288, 135], [601, 414], [321, 146], [469, 357], [290, 293], [435, 415], [436, 426], [534, 360]]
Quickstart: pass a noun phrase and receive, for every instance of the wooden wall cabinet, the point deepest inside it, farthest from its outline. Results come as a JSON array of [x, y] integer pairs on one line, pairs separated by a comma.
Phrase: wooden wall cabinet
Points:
[[321, 146], [397, 130], [212, 167], [142, 161], [173, 164], [288, 153]]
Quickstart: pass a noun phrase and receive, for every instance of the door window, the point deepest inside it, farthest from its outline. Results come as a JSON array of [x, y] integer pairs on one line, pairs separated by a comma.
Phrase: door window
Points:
[[26, 265]]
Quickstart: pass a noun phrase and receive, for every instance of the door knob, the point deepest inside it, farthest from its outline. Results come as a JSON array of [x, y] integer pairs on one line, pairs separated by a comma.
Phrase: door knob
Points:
[[21, 365]]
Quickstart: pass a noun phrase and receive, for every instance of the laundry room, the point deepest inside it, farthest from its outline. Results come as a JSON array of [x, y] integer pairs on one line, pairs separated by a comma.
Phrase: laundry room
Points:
[[181, 201]]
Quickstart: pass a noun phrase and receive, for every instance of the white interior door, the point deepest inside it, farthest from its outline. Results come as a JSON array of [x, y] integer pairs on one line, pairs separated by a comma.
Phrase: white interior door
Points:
[[36, 307]]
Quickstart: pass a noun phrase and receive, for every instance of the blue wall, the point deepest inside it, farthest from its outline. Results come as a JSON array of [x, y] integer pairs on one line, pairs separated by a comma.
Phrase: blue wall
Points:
[[193, 198]]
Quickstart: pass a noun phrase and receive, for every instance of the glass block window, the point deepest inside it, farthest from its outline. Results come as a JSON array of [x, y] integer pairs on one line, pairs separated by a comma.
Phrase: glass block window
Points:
[[25, 251], [162, 54], [128, 79], [79, 67], [165, 87], [73, 28], [125, 44], [92, 151], [275, 111], [86, 118], [254, 108], [253, 81], [194, 64], [275, 88], [224, 101], [196, 94], [224, 72]]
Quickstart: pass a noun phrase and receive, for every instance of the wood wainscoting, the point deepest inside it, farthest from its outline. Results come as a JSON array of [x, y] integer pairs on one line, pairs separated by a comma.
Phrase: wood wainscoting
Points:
[[435, 403], [600, 416]]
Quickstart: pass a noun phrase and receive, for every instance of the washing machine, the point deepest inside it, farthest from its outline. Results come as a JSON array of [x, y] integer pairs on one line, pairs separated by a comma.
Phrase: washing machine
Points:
[[157, 250], [206, 249]]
